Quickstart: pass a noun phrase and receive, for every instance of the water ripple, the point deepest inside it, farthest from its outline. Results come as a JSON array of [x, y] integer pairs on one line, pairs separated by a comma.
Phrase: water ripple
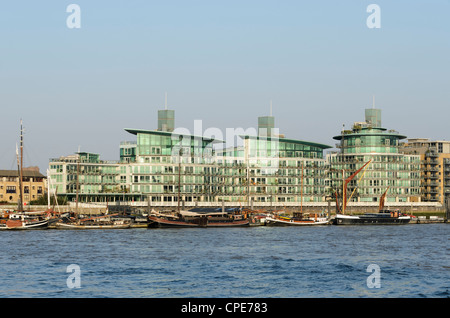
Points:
[[253, 262]]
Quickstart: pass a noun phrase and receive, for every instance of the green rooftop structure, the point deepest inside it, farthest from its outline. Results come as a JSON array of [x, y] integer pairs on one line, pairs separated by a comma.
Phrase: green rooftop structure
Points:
[[166, 120], [266, 125]]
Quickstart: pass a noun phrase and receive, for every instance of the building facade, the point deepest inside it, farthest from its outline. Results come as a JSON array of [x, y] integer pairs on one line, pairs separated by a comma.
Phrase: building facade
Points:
[[435, 169], [33, 185], [275, 170], [95, 179], [163, 167]]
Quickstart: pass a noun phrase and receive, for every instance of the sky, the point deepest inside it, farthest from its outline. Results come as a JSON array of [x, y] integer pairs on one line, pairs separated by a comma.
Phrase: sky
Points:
[[221, 62]]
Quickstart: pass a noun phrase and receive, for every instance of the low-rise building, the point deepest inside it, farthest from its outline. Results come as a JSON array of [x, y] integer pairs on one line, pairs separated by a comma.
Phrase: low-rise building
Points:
[[95, 179], [33, 185]]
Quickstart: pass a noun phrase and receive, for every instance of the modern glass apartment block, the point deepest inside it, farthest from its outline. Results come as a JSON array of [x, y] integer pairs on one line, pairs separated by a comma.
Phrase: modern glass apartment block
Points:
[[264, 169], [168, 164], [389, 169], [274, 170], [97, 179]]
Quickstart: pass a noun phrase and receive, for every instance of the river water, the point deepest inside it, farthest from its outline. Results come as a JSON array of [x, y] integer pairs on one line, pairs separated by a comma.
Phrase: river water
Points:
[[273, 262]]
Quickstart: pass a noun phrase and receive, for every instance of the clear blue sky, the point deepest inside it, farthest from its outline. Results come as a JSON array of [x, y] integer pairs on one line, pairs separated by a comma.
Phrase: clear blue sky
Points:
[[219, 61]]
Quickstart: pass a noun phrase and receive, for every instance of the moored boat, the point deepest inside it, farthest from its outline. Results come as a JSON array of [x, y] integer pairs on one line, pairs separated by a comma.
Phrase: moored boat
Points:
[[258, 219], [381, 218], [21, 220], [24, 221], [94, 223], [29, 220], [199, 218], [384, 216], [297, 218]]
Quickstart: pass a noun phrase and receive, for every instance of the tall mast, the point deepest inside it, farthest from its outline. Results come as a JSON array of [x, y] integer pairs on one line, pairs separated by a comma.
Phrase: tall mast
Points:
[[343, 171], [48, 189], [19, 201], [179, 181], [180, 153], [301, 196], [21, 168], [78, 185]]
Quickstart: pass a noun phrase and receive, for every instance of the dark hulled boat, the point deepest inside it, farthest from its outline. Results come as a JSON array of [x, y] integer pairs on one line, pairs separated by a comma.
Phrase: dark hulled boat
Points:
[[25, 221], [384, 216], [200, 218], [380, 218]]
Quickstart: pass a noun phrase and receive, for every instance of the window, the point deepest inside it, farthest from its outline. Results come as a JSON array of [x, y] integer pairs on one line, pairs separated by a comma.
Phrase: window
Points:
[[156, 150], [11, 189]]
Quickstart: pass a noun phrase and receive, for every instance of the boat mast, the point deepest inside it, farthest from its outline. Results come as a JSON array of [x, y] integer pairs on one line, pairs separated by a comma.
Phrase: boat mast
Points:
[[247, 172], [180, 153], [343, 170], [48, 189], [179, 181], [301, 194], [77, 186], [343, 190], [20, 168], [350, 179], [19, 201]]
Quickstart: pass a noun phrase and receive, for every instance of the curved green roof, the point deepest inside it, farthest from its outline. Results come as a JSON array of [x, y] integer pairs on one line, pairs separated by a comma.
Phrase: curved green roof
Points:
[[294, 141], [370, 132], [167, 133]]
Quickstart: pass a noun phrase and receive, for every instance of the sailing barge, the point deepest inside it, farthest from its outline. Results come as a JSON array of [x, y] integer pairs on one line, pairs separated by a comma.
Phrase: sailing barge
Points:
[[200, 218], [94, 223], [380, 218], [384, 216]]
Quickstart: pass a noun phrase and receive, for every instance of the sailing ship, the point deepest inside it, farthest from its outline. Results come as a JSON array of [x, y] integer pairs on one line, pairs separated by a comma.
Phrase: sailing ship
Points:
[[21, 220], [384, 216], [199, 217]]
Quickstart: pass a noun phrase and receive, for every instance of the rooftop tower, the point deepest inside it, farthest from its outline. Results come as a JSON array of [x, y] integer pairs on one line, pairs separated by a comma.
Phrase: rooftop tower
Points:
[[266, 124], [166, 118], [373, 117]]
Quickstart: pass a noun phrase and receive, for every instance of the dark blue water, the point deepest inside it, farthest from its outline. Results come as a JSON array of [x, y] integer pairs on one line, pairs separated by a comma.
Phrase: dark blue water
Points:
[[325, 261]]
